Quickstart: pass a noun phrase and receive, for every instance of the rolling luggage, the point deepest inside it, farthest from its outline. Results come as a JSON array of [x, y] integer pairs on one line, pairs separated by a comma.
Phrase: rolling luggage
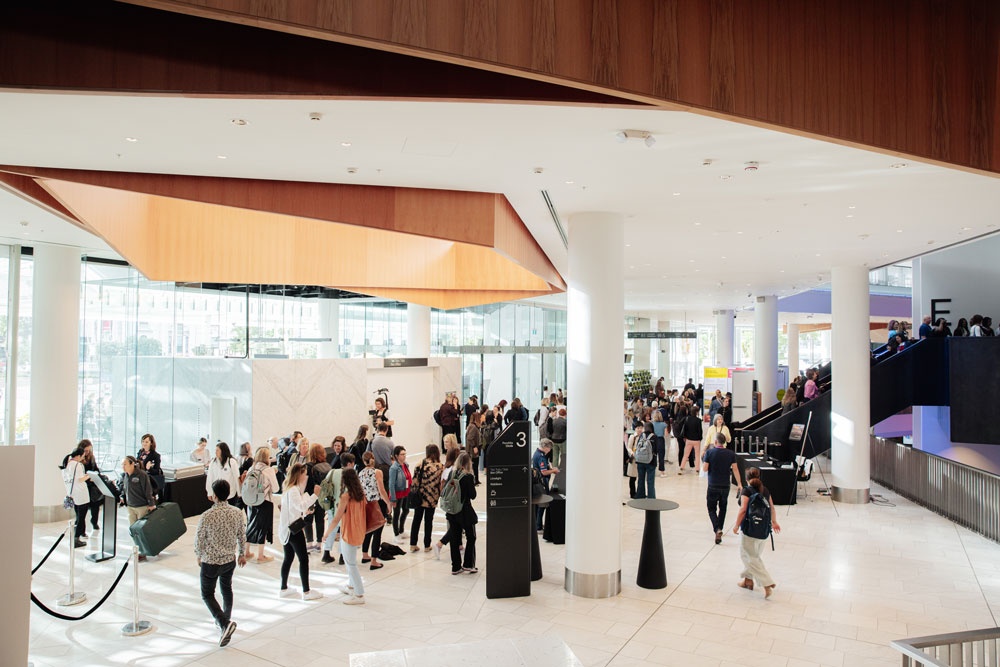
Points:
[[158, 530]]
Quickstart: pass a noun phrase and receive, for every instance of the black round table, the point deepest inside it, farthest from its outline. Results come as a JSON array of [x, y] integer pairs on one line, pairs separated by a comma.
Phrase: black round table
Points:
[[652, 568], [536, 554]]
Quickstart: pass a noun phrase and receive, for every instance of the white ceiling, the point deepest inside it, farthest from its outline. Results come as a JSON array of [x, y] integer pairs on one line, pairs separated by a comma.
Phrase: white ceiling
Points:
[[811, 205]]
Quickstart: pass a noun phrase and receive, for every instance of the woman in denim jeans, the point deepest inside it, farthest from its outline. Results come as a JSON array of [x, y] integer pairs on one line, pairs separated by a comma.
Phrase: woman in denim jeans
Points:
[[647, 471]]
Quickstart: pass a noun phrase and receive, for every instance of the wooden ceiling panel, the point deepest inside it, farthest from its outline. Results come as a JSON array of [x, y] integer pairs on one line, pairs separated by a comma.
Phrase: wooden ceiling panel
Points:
[[177, 229]]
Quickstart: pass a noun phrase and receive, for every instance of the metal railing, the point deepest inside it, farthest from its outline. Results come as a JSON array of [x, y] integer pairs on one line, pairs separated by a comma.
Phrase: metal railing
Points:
[[973, 648], [968, 496]]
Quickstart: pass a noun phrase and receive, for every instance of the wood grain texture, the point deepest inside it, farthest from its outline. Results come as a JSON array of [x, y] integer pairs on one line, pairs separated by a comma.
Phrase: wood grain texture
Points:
[[200, 229], [912, 77]]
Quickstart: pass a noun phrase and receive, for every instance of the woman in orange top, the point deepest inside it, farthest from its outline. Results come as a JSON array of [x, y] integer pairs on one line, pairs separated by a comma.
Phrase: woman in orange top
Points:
[[351, 510]]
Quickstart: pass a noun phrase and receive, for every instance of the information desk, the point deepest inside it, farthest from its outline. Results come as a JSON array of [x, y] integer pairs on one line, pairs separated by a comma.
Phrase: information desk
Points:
[[780, 481], [652, 568], [189, 494]]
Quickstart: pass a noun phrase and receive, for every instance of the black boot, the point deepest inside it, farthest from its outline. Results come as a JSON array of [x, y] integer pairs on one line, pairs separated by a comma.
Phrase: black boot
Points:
[[341, 561], [327, 558]]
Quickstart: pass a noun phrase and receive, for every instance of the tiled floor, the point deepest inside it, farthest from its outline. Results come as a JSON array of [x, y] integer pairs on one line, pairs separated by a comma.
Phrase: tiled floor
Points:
[[847, 585]]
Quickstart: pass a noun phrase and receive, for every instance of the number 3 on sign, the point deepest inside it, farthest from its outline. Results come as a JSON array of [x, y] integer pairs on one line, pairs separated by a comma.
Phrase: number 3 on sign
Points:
[[522, 439]]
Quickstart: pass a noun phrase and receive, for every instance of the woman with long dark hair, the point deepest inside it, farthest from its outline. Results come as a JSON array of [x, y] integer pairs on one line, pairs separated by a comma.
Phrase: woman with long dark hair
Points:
[[374, 486], [350, 516], [318, 468], [296, 503], [75, 478], [337, 447], [426, 490], [751, 548], [360, 444], [224, 466], [149, 462], [90, 465]]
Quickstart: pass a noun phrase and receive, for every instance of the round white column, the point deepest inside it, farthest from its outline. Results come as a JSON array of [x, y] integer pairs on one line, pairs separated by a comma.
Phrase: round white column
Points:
[[792, 330], [765, 348], [418, 330], [725, 325], [55, 370], [850, 343], [329, 327], [595, 352]]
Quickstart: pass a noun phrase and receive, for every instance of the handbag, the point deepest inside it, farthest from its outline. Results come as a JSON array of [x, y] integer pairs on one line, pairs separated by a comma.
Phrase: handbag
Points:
[[68, 502], [297, 526], [374, 519], [414, 498], [632, 470]]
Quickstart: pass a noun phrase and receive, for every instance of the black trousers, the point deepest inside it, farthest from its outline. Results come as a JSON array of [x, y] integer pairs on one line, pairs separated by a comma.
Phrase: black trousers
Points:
[[455, 530], [375, 536], [426, 514], [718, 502], [318, 518], [223, 574], [399, 513], [95, 511], [296, 548], [81, 520]]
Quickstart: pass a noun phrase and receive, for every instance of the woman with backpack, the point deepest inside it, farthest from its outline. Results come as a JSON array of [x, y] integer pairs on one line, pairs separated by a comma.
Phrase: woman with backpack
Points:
[[424, 494], [757, 518], [456, 501], [645, 462], [260, 522], [449, 468]]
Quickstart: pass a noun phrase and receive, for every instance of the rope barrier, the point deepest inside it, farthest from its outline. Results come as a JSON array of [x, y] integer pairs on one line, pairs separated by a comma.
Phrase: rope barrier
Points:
[[46, 556], [91, 610]]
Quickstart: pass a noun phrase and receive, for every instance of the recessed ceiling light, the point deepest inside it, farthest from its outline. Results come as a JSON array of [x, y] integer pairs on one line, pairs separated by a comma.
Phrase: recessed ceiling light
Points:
[[631, 267], [628, 245], [697, 224], [725, 177], [817, 254], [131, 139], [739, 232], [965, 229], [221, 157], [569, 182], [897, 165], [781, 270], [345, 144], [239, 122], [677, 194], [852, 206], [691, 261], [723, 257], [850, 215], [899, 231]]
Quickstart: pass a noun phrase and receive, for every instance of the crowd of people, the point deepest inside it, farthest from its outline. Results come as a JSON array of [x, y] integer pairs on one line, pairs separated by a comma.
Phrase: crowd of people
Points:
[[349, 493], [898, 335]]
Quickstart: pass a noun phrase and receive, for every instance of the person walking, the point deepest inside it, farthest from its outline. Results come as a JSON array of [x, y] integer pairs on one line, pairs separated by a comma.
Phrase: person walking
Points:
[[425, 492], [138, 496], [465, 520], [692, 438], [400, 483], [296, 503], [750, 519], [719, 462], [350, 518], [219, 543]]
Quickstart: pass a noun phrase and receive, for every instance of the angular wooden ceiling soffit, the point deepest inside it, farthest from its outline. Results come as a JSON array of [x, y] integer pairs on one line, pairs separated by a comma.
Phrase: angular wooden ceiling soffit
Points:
[[440, 248]]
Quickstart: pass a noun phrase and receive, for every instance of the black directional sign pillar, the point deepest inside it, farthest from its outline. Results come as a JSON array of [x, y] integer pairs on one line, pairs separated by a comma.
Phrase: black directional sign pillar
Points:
[[509, 513]]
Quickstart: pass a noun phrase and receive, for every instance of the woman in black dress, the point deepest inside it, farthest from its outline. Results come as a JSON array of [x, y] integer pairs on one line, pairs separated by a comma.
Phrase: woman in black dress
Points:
[[149, 459]]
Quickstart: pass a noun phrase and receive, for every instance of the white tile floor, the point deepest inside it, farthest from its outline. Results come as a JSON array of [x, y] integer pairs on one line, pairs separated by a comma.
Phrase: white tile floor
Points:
[[847, 585]]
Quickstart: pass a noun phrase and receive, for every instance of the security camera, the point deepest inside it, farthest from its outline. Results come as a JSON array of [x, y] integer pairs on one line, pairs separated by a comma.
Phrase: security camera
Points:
[[352, 170], [315, 115]]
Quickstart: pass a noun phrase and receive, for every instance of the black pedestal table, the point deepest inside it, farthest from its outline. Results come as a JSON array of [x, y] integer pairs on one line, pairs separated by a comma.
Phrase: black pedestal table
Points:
[[652, 568], [536, 554]]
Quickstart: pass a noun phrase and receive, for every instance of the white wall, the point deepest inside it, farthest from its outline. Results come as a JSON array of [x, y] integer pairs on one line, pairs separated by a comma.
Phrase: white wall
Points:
[[15, 586], [328, 397]]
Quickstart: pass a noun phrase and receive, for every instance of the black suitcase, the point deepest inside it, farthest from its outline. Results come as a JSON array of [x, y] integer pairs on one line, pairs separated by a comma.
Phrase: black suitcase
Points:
[[159, 529]]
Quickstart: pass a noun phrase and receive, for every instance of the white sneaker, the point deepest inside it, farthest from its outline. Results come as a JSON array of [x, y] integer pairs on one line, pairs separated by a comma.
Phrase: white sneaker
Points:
[[355, 599], [288, 593], [399, 539], [312, 594], [437, 551], [347, 590]]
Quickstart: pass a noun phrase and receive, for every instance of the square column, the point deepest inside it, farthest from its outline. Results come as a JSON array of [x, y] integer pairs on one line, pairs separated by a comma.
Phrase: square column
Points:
[[418, 331], [725, 327], [595, 352], [765, 348]]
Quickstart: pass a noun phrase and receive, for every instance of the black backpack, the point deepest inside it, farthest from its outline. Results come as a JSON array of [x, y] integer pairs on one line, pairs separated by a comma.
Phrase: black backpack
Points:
[[437, 417], [757, 522]]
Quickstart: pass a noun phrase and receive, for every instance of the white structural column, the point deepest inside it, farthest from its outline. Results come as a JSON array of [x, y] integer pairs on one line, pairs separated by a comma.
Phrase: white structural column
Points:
[[725, 326], [851, 413], [594, 351], [663, 354], [641, 357], [765, 348], [55, 370], [792, 331], [418, 330], [329, 327]]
